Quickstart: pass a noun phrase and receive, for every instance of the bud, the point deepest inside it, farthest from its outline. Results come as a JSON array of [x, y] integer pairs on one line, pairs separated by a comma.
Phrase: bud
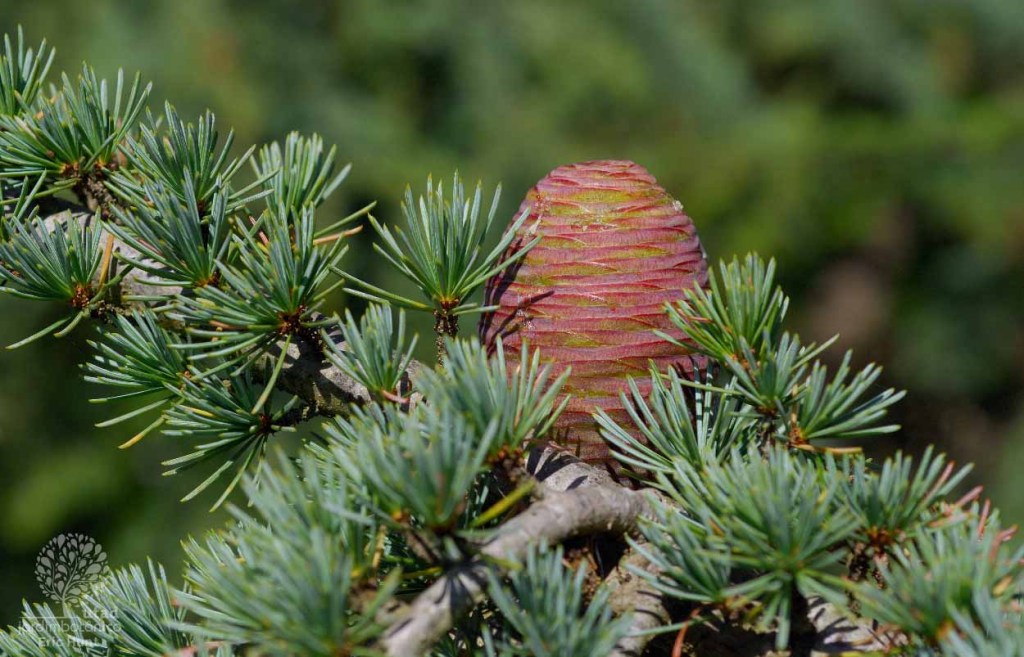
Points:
[[614, 249]]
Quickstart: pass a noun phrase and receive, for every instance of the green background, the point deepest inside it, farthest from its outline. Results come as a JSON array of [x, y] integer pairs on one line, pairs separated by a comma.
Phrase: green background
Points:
[[875, 147]]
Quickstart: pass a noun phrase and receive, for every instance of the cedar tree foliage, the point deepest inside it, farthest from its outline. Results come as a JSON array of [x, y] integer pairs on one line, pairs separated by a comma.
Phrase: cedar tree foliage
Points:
[[636, 451]]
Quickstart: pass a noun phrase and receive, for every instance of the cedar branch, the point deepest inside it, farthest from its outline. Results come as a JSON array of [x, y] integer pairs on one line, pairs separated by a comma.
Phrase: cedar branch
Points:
[[576, 499]]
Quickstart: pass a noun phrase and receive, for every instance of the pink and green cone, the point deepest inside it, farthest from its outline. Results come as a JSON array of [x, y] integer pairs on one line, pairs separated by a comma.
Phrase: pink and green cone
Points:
[[614, 248]]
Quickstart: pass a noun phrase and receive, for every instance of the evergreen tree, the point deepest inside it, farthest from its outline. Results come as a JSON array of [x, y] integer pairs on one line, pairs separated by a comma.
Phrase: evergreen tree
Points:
[[437, 512]]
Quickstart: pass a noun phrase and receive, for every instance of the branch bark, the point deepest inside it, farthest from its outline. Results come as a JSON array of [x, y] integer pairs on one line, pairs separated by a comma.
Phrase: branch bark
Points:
[[556, 517], [633, 594]]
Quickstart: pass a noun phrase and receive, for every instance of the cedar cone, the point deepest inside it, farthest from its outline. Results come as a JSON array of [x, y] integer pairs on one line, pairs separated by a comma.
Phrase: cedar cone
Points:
[[614, 249]]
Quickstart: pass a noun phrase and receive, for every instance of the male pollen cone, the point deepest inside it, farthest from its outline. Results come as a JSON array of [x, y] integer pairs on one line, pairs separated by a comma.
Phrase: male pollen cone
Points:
[[614, 248]]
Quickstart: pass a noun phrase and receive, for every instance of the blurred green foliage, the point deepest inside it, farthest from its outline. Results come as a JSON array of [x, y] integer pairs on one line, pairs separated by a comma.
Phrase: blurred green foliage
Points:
[[875, 147]]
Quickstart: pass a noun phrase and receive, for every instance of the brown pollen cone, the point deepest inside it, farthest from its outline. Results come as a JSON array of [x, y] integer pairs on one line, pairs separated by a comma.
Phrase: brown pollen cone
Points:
[[614, 248]]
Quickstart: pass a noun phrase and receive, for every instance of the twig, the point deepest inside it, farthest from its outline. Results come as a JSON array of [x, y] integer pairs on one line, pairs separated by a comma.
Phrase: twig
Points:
[[633, 594], [306, 372], [556, 517]]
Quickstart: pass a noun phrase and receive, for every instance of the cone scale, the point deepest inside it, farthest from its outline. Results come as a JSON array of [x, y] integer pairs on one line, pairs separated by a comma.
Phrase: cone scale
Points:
[[614, 248]]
